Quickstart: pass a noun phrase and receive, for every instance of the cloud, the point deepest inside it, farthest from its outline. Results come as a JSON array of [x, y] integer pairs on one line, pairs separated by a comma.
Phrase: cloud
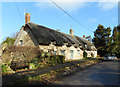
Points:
[[67, 6], [74, 5], [92, 20], [107, 5]]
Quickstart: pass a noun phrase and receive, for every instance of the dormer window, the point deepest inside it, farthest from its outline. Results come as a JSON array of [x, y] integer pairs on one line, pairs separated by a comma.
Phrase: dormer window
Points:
[[53, 43], [21, 42], [85, 46], [65, 43], [92, 47]]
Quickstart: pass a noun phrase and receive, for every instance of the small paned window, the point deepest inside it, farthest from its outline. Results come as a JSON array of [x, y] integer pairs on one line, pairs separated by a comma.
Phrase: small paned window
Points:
[[78, 52], [54, 52], [50, 52], [62, 52], [21, 42]]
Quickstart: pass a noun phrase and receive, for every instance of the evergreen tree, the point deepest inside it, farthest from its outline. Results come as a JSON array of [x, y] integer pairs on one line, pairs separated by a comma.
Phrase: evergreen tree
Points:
[[116, 41], [102, 40]]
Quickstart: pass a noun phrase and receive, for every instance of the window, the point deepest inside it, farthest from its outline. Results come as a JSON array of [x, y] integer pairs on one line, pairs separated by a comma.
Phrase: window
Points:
[[62, 52], [21, 42], [50, 52], [85, 46], [54, 52], [71, 54], [78, 52], [92, 47]]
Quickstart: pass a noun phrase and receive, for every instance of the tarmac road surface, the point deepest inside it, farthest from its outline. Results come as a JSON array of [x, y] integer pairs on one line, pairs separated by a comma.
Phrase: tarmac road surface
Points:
[[105, 73]]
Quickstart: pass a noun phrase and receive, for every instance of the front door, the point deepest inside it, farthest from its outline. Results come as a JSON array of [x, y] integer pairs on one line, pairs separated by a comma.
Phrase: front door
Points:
[[71, 54]]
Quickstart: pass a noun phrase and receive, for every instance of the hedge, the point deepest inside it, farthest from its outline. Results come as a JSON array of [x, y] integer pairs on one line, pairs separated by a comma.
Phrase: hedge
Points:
[[56, 59]]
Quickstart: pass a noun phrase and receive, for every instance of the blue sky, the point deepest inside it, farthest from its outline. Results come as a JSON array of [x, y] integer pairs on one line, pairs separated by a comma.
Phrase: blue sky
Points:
[[89, 14]]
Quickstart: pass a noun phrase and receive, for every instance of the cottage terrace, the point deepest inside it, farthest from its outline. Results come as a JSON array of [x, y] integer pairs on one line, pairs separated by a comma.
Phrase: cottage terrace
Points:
[[54, 42]]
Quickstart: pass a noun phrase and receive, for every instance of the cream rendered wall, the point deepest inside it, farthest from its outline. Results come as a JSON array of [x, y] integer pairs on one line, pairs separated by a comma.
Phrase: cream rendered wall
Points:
[[94, 53], [67, 51], [89, 53]]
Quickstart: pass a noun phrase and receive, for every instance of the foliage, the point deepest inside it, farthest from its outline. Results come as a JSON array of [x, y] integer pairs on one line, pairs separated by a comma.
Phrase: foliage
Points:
[[4, 68], [115, 46], [36, 62], [20, 53], [87, 57], [102, 40], [84, 54], [106, 44], [45, 55], [92, 55], [9, 41], [56, 59], [32, 66], [49, 60]]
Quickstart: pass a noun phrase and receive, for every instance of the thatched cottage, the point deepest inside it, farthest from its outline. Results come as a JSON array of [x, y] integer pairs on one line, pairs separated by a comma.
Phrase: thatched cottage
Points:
[[53, 41]]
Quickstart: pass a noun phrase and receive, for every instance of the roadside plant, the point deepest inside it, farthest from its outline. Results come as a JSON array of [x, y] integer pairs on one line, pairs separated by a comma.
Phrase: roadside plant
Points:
[[4, 68], [84, 54], [92, 55]]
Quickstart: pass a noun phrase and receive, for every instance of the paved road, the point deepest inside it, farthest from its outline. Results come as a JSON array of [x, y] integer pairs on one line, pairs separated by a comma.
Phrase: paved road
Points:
[[105, 73]]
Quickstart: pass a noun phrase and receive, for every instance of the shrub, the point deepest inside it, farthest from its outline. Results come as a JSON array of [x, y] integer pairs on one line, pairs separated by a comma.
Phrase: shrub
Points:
[[36, 62], [32, 66], [56, 59], [92, 55], [4, 68], [45, 55], [87, 57], [84, 54], [20, 53]]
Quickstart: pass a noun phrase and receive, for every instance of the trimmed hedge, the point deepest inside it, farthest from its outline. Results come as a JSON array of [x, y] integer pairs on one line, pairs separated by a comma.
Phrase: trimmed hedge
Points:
[[56, 59], [50, 60]]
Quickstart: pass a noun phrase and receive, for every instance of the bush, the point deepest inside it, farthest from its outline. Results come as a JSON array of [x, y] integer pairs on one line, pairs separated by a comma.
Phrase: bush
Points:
[[4, 68], [20, 53], [45, 55], [87, 57], [84, 54], [32, 66], [36, 62], [92, 55], [56, 59]]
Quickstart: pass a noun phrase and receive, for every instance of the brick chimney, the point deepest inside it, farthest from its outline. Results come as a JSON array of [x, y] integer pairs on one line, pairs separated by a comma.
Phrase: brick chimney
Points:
[[84, 37], [27, 18], [71, 32]]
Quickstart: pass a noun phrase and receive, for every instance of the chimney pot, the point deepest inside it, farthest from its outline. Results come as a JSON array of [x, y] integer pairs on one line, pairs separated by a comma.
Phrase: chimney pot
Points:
[[27, 18], [71, 32], [84, 37]]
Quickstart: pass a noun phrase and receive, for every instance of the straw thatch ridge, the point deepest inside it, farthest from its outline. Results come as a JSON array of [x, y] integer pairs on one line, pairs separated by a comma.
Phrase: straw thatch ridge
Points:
[[46, 35]]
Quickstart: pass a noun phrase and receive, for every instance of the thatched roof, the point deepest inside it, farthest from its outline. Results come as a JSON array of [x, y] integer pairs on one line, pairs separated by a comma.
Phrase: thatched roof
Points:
[[46, 35]]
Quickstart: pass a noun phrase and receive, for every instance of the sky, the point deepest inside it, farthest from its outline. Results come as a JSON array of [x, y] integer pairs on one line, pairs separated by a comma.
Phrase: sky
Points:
[[44, 12]]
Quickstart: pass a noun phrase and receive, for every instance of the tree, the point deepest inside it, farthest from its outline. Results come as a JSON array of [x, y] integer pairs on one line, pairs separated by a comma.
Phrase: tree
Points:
[[116, 41], [9, 41], [102, 40]]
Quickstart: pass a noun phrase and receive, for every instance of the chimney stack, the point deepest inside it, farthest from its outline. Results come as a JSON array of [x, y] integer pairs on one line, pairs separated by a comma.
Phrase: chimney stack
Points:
[[27, 18], [84, 37], [71, 32]]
